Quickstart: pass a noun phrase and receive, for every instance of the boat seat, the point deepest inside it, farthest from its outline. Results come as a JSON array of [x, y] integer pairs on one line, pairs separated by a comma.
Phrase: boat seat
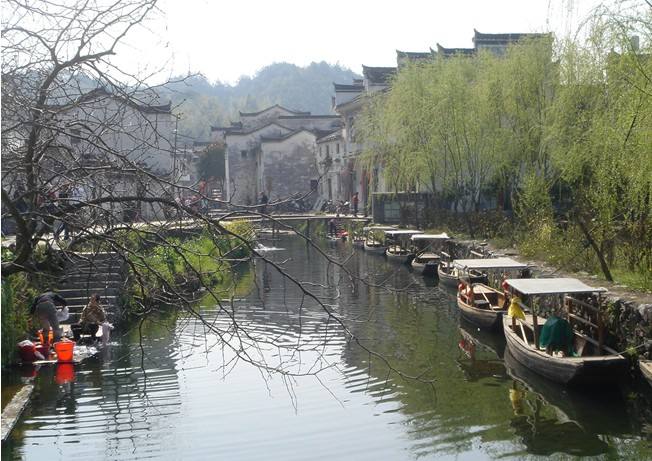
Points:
[[482, 304]]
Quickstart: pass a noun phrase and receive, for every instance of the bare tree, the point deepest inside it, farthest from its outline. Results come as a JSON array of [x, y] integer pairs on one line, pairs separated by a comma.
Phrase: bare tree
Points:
[[88, 149]]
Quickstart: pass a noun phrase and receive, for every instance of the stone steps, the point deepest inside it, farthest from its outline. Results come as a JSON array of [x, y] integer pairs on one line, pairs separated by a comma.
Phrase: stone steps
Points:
[[86, 274]]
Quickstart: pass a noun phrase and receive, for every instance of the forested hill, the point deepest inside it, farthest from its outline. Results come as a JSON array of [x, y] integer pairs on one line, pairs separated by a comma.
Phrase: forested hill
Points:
[[301, 88]]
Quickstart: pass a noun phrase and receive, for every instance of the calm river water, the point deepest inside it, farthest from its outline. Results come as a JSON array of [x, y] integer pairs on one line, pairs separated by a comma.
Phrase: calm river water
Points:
[[178, 394]]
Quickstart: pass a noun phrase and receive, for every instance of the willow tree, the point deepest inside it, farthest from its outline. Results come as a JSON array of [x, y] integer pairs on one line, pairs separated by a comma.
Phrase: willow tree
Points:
[[602, 139]]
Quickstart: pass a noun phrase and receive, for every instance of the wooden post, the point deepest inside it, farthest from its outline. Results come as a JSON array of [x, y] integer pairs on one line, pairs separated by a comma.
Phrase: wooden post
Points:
[[535, 330], [600, 328]]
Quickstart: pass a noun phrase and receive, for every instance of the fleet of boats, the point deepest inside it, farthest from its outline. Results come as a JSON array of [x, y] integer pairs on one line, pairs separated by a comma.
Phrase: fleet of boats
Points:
[[497, 294]]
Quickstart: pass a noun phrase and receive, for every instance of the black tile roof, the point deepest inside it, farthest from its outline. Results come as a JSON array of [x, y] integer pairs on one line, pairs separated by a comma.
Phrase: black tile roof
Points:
[[503, 38], [345, 87], [378, 74], [253, 114], [306, 116], [283, 137], [445, 52], [414, 54], [102, 93], [331, 136]]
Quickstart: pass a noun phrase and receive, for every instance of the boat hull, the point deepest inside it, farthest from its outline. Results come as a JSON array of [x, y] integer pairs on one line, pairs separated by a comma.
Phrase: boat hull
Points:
[[484, 318], [594, 371], [646, 369], [447, 279], [397, 258], [374, 249]]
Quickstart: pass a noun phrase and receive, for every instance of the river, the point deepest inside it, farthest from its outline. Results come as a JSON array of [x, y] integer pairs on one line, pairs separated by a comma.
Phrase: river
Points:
[[170, 390]]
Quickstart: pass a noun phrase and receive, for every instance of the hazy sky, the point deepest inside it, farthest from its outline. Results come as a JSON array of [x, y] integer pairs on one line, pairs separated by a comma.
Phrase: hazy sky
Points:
[[226, 39]]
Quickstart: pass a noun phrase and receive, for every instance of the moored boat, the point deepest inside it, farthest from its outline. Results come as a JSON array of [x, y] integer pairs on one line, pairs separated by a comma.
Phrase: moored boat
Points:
[[426, 259], [591, 362], [399, 244], [374, 238], [646, 369], [484, 307]]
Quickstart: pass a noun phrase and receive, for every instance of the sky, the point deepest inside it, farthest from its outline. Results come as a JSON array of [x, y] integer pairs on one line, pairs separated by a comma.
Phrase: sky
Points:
[[224, 40]]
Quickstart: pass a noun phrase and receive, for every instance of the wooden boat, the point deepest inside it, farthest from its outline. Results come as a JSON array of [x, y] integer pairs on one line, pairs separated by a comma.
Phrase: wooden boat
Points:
[[646, 369], [487, 305], [486, 309], [357, 241], [374, 238], [448, 275], [595, 364], [399, 247], [426, 260]]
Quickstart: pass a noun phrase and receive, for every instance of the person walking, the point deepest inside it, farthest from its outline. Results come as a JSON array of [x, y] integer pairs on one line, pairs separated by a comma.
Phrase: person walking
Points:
[[354, 201]]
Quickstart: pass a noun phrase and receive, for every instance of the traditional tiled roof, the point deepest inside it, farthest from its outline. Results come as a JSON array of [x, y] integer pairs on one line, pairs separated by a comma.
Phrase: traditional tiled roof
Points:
[[378, 74], [446, 52], [413, 55], [243, 133], [332, 136], [277, 106], [344, 87], [502, 39], [201, 143], [283, 137], [308, 117], [102, 93]]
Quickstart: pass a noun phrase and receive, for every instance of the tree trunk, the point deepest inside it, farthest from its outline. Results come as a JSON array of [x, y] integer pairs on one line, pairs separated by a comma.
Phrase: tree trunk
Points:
[[596, 248]]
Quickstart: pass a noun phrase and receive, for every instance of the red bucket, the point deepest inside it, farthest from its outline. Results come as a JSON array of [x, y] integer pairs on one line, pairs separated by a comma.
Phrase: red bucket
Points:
[[64, 350]]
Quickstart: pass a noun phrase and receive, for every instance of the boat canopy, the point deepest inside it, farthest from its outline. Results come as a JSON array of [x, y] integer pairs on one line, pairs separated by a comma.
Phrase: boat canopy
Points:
[[443, 236], [551, 286], [377, 228], [402, 232], [489, 263]]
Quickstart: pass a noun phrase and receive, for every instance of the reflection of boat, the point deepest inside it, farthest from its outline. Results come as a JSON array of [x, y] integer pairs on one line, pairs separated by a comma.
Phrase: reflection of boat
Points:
[[483, 360], [646, 369], [426, 259], [599, 412], [593, 364], [357, 241], [399, 244], [482, 338]]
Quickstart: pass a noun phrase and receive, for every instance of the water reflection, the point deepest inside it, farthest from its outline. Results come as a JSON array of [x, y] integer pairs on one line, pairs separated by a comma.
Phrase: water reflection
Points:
[[182, 394]]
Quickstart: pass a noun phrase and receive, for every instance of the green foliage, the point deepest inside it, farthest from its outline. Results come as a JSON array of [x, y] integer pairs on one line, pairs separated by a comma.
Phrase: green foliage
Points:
[[211, 163], [560, 130], [188, 265], [17, 295]]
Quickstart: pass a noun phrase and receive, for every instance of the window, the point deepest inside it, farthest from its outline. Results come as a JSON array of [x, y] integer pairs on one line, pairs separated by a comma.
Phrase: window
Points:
[[313, 184], [243, 153], [74, 136], [327, 149], [337, 147]]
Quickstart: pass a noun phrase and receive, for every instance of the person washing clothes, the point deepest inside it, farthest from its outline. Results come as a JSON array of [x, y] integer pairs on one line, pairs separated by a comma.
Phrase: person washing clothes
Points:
[[93, 317], [44, 308]]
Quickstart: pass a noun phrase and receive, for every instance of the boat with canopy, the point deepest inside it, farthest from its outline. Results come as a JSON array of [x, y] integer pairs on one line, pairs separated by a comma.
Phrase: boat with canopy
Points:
[[569, 347], [427, 252], [479, 303], [399, 244], [374, 238]]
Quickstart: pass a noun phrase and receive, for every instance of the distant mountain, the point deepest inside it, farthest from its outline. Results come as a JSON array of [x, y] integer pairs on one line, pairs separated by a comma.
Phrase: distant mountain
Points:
[[203, 104]]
